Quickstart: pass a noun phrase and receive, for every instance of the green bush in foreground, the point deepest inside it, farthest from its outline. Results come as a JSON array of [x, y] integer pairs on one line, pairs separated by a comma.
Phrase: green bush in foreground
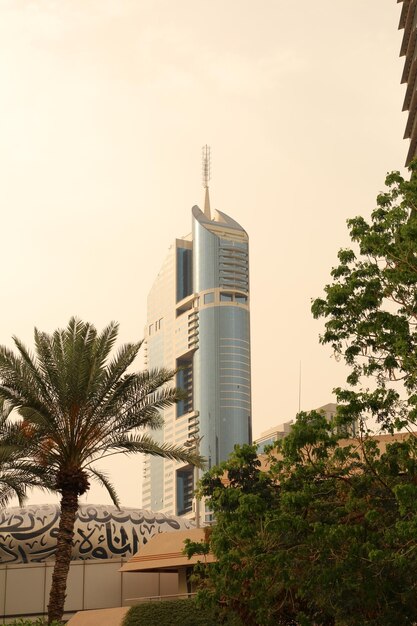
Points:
[[171, 613]]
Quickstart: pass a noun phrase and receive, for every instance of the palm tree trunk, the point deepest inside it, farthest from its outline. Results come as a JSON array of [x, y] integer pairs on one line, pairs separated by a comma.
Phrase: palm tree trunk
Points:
[[69, 507]]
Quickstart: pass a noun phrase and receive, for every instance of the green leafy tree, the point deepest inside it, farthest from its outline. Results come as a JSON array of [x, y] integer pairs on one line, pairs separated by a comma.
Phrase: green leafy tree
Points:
[[326, 534], [77, 406], [370, 309], [244, 580]]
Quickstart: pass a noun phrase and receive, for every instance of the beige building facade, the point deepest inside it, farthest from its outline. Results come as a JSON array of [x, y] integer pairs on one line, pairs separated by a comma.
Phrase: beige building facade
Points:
[[408, 23]]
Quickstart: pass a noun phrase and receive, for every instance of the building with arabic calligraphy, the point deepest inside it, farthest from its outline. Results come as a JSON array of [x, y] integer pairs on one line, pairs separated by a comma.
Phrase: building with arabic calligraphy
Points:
[[198, 322], [28, 535], [104, 539]]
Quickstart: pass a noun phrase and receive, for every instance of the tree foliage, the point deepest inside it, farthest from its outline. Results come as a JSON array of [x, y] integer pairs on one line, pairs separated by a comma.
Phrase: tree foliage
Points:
[[77, 405], [370, 309], [326, 534]]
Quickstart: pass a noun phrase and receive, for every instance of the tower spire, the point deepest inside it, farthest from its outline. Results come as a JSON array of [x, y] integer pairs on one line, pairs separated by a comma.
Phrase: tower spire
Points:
[[206, 170]]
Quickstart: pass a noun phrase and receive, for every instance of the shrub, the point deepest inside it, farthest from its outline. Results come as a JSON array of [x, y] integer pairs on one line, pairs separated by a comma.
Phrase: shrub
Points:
[[171, 613]]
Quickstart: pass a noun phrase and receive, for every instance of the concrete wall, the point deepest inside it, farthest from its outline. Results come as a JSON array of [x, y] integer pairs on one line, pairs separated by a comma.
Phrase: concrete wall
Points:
[[24, 588]]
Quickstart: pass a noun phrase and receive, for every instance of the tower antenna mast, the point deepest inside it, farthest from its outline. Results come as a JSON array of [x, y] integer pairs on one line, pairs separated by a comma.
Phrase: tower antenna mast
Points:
[[206, 154], [206, 171]]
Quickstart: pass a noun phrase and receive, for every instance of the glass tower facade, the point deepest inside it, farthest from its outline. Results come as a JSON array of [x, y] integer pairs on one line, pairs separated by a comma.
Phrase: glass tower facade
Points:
[[198, 321]]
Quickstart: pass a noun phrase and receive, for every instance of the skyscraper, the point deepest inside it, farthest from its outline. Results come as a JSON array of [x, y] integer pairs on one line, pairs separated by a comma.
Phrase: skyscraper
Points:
[[198, 321]]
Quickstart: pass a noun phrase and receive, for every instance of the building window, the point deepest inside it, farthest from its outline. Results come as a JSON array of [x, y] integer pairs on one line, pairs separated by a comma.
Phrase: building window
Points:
[[226, 297], [184, 273], [185, 382], [208, 297], [185, 490], [241, 299]]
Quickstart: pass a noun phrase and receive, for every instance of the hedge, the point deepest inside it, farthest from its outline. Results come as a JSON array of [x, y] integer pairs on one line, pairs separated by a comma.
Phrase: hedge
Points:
[[37, 622], [170, 613]]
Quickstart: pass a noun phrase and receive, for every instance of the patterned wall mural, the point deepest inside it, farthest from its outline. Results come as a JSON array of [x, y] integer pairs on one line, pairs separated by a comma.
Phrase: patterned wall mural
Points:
[[28, 535]]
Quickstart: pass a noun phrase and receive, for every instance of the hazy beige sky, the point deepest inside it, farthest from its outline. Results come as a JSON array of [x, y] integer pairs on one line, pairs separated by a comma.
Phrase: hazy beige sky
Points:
[[104, 107]]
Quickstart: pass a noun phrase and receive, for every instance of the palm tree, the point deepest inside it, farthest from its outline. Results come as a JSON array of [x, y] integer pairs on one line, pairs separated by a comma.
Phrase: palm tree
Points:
[[78, 406]]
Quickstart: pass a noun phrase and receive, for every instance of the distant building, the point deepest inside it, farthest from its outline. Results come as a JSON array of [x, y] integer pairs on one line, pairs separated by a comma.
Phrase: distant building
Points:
[[328, 410], [276, 433], [268, 437], [198, 321], [408, 22]]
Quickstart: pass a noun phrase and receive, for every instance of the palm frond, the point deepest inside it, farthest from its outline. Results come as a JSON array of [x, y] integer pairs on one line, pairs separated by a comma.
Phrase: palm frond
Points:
[[146, 445], [103, 480], [113, 381], [30, 363], [50, 363], [10, 491], [138, 410], [17, 377], [149, 390], [105, 343]]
